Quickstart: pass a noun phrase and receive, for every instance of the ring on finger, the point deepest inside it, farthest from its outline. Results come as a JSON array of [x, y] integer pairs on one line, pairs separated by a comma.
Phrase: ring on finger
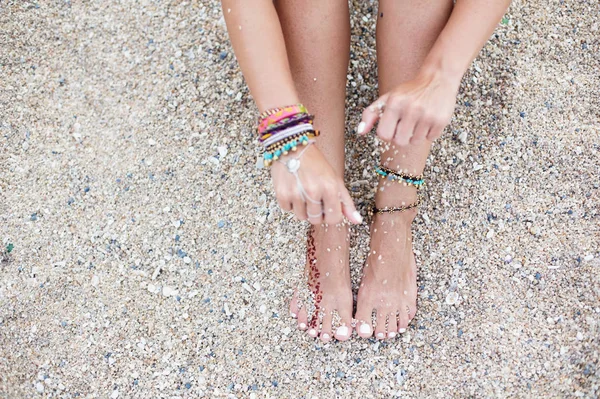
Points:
[[314, 216]]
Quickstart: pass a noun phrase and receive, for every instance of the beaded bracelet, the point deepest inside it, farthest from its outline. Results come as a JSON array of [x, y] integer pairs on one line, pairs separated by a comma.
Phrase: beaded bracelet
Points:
[[390, 174], [290, 131], [280, 148]]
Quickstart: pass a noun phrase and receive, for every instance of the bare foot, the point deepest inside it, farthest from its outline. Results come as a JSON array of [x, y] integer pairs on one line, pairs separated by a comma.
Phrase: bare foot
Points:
[[387, 297], [323, 302]]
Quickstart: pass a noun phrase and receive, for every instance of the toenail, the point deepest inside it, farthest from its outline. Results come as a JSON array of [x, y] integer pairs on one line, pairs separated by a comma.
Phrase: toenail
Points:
[[325, 337], [342, 331], [312, 332], [380, 335], [365, 329], [401, 330], [293, 315], [392, 335], [302, 326]]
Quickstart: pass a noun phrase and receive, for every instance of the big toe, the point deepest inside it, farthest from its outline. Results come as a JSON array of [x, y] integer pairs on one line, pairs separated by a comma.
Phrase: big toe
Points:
[[364, 326]]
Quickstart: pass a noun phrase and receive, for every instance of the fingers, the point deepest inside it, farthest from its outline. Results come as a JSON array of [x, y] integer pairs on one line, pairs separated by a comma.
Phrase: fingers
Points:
[[435, 131], [371, 115], [332, 207], [299, 208], [404, 130], [388, 123], [420, 134], [348, 207], [314, 211]]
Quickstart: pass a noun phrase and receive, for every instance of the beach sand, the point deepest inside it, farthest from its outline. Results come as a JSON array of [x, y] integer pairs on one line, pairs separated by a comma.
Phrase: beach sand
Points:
[[149, 259]]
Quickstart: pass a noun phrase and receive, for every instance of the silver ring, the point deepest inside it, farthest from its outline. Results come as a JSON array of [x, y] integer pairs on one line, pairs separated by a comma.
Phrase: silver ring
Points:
[[314, 216]]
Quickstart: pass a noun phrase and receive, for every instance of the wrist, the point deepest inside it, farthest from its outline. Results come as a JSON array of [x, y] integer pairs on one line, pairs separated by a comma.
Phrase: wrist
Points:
[[444, 64]]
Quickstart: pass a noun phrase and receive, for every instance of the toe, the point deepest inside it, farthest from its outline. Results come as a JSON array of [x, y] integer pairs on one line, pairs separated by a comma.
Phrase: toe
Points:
[[302, 319], [364, 326], [294, 306], [326, 327], [380, 325], [343, 331], [402, 321], [392, 322]]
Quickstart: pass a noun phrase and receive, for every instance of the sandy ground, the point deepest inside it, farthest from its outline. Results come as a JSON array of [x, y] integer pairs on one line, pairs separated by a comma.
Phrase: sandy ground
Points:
[[148, 257]]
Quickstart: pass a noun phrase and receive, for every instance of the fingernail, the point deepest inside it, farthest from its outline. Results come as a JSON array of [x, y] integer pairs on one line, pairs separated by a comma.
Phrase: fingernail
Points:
[[401, 330], [361, 128], [293, 315], [342, 331], [380, 335], [357, 217], [365, 329], [302, 326], [392, 335]]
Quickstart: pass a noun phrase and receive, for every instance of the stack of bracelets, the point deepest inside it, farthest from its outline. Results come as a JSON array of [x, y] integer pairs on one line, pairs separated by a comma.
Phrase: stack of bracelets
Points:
[[281, 130]]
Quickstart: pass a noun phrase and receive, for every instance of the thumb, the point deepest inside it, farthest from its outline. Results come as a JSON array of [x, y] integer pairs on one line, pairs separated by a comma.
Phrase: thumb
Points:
[[348, 208], [371, 115]]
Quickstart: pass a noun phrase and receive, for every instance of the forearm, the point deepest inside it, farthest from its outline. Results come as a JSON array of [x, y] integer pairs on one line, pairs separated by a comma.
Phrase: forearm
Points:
[[470, 25], [259, 46]]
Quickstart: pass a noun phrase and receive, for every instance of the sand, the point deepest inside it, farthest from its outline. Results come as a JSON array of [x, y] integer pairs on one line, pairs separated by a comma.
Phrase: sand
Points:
[[144, 255]]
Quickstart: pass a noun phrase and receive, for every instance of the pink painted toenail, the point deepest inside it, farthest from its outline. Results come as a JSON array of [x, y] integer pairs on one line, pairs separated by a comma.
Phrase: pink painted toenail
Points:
[[392, 335], [342, 331]]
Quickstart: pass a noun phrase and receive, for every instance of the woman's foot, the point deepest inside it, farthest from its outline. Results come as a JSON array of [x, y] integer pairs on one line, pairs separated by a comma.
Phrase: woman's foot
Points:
[[323, 302], [387, 297]]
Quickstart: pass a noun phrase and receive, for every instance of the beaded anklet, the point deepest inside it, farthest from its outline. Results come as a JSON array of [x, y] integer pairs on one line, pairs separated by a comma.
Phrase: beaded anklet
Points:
[[390, 174], [408, 180], [387, 209]]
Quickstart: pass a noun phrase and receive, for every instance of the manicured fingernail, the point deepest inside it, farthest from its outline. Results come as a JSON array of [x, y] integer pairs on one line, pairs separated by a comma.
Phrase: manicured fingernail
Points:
[[293, 315], [357, 217], [380, 335], [342, 331], [325, 337], [312, 332], [361, 128], [401, 330], [302, 326], [365, 329], [392, 335]]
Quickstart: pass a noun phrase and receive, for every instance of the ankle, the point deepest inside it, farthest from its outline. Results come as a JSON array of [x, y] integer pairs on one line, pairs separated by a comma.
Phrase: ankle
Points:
[[397, 219]]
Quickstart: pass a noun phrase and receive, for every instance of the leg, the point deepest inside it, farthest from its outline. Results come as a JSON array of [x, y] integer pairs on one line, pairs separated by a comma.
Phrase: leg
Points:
[[406, 31], [317, 38]]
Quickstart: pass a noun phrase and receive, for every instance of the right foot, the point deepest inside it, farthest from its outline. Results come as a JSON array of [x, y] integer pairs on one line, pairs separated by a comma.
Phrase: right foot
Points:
[[324, 306]]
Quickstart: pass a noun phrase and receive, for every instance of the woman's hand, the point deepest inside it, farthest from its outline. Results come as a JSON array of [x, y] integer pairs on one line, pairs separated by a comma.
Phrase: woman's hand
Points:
[[314, 192], [414, 111]]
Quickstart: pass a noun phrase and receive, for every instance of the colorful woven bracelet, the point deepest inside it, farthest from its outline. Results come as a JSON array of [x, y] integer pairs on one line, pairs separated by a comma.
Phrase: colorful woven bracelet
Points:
[[285, 123], [390, 174], [278, 114], [271, 111]]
